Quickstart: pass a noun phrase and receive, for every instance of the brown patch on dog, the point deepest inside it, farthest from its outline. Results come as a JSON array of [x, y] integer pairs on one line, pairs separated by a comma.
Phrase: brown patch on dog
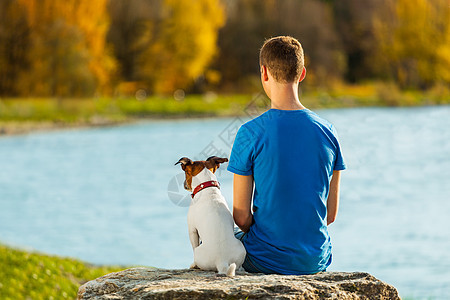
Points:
[[192, 168], [213, 163]]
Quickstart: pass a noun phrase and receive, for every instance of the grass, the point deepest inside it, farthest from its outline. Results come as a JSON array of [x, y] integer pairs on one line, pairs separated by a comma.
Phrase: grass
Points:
[[117, 109], [22, 115], [25, 275], [375, 94]]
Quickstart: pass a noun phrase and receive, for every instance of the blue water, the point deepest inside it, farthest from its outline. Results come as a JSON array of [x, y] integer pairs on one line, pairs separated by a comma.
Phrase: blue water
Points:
[[113, 195]]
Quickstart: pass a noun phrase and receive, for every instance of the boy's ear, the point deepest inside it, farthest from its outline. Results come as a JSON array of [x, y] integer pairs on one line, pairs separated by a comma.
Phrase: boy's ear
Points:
[[303, 75], [264, 74]]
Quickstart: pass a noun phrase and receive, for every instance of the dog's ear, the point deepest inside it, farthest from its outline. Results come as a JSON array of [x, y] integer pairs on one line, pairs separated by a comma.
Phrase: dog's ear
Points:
[[217, 160], [213, 162], [184, 161]]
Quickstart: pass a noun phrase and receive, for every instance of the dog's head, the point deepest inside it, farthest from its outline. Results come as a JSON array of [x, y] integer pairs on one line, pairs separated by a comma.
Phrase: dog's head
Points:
[[192, 168]]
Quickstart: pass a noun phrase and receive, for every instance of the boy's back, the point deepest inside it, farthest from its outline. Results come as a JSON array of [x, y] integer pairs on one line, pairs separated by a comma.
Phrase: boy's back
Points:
[[291, 155], [293, 160]]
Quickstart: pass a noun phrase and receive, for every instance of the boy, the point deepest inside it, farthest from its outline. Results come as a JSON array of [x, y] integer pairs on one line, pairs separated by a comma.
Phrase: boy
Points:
[[293, 159]]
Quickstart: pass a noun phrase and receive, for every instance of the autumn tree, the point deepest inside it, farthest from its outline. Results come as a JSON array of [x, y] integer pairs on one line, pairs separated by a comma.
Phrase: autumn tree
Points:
[[64, 51], [250, 22], [240, 39], [183, 45], [14, 42], [313, 23], [354, 21], [166, 44], [133, 23], [414, 42]]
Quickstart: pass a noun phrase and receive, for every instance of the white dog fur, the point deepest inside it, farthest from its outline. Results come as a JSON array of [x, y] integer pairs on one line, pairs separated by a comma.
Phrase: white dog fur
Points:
[[210, 221]]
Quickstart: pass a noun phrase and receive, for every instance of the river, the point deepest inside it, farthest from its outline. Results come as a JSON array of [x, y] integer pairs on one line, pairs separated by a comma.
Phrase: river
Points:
[[113, 195]]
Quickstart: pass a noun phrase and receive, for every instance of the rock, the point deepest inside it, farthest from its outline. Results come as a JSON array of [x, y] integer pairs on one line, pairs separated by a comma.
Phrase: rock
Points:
[[151, 283]]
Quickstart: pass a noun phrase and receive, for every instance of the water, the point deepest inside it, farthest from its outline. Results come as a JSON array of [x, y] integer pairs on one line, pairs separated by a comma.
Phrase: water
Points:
[[110, 195]]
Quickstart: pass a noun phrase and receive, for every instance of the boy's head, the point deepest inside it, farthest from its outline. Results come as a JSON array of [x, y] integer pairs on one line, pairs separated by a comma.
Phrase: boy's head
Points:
[[283, 57]]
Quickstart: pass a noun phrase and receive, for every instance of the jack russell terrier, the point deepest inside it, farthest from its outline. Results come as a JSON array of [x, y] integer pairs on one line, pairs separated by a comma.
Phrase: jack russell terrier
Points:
[[210, 223]]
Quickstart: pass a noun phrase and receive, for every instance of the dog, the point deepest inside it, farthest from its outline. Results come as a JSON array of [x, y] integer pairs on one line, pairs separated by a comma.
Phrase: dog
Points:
[[210, 223]]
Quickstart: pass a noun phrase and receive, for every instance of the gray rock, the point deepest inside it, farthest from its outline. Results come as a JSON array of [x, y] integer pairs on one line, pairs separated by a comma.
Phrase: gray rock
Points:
[[150, 283]]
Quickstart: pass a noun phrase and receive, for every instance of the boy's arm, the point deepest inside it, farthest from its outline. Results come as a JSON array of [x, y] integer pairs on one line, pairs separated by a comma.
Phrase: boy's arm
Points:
[[242, 201], [333, 197]]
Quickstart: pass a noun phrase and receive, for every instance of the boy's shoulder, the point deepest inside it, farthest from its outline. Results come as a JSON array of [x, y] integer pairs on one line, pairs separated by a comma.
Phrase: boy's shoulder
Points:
[[276, 114], [259, 125], [320, 120]]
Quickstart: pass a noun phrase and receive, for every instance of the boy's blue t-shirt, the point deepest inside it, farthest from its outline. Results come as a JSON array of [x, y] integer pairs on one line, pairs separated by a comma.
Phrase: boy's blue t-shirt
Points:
[[292, 155]]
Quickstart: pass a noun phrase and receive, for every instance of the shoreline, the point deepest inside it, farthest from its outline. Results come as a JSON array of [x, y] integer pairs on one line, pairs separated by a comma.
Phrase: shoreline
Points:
[[8, 129], [15, 128], [23, 127], [20, 116]]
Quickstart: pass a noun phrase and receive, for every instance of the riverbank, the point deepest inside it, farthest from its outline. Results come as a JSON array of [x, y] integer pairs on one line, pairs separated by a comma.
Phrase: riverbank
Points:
[[23, 115], [29, 275], [20, 115]]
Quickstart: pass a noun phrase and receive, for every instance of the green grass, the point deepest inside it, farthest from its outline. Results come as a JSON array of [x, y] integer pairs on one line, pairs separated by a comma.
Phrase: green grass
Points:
[[25, 275], [24, 114], [375, 94], [21, 115], [117, 109]]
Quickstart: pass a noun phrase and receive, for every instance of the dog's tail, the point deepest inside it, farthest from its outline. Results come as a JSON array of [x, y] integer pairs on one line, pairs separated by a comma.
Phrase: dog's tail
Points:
[[231, 271]]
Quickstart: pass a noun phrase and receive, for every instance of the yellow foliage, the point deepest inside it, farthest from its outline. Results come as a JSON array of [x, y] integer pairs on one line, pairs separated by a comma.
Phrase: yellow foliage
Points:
[[184, 45], [68, 53], [415, 44], [443, 48]]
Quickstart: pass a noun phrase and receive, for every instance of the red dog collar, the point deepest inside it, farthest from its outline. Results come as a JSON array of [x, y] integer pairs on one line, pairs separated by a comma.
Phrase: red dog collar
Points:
[[205, 185]]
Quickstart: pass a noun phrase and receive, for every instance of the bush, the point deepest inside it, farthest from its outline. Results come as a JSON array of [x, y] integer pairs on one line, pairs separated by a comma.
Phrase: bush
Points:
[[389, 94]]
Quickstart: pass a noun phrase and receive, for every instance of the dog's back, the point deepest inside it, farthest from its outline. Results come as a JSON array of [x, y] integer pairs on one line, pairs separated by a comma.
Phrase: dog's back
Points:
[[220, 250], [211, 225]]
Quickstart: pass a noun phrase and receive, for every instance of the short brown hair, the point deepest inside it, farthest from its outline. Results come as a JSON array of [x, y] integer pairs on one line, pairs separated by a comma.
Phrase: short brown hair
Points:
[[283, 56]]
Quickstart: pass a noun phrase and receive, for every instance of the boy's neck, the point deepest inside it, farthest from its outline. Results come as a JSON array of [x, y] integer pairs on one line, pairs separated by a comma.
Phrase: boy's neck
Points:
[[285, 96]]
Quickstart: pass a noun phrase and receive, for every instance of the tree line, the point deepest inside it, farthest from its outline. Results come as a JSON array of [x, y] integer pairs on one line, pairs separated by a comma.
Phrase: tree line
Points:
[[84, 48]]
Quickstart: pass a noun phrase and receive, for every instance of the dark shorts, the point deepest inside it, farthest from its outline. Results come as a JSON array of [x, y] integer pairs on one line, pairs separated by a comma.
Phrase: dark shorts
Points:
[[249, 264]]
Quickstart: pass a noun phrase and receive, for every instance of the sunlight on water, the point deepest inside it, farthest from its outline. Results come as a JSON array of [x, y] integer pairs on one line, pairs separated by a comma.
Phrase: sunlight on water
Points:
[[112, 195]]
